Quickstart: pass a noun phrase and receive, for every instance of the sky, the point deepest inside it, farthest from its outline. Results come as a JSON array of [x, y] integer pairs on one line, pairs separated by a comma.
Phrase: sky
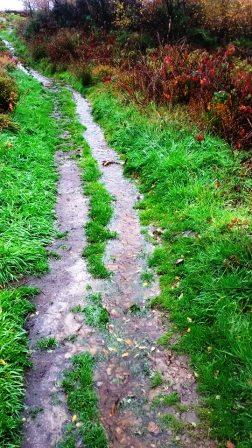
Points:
[[11, 4]]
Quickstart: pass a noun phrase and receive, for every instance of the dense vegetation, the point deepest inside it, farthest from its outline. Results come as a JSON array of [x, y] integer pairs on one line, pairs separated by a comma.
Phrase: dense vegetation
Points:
[[173, 52]]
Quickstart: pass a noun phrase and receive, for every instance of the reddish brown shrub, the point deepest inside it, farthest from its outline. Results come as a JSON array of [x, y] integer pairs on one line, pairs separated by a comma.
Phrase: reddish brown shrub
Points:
[[218, 84]]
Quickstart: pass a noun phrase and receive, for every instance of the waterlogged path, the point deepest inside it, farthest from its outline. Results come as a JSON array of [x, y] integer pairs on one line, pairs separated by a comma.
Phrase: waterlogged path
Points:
[[132, 369]]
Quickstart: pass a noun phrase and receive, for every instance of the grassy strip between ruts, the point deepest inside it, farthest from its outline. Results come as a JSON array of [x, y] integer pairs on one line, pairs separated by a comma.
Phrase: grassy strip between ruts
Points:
[[197, 193], [27, 196], [83, 402], [100, 207]]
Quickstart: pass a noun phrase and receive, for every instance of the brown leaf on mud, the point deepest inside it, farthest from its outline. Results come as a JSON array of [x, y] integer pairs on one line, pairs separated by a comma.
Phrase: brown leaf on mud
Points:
[[110, 162], [114, 408], [153, 428]]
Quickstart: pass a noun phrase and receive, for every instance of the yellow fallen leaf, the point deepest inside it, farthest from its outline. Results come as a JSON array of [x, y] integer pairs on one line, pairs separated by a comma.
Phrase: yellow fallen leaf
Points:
[[74, 418]]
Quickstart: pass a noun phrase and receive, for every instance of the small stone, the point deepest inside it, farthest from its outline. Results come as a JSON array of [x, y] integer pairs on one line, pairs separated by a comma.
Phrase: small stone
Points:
[[153, 428], [179, 261]]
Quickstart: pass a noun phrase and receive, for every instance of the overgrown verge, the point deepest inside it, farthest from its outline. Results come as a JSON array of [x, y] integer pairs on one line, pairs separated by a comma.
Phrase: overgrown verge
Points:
[[83, 402], [196, 192], [100, 205], [14, 359], [27, 196]]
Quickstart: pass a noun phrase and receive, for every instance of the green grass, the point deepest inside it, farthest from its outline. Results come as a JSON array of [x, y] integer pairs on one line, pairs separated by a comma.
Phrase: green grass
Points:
[[14, 306], [47, 343], [198, 194], [100, 214], [100, 206], [83, 403], [166, 399], [28, 178], [156, 380], [170, 421], [95, 314], [27, 197]]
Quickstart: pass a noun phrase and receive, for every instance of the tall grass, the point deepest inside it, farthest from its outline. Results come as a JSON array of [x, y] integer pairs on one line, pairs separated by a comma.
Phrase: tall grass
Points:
[[28, 187], [27, 197], [197, 192], [83, 402], [13, 360]]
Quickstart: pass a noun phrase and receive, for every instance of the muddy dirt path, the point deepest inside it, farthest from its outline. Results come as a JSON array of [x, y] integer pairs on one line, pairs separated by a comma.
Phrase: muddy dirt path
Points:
[[130, 353]]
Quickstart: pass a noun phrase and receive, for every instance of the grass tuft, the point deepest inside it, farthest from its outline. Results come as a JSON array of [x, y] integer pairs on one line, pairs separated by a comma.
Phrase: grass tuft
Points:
[[170, 421], [47, 343], [83, 402], [95, 314], [166, 399], [156, 380]]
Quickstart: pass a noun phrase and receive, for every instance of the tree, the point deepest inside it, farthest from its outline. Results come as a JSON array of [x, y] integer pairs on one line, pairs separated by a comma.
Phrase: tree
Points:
[[34, 5]]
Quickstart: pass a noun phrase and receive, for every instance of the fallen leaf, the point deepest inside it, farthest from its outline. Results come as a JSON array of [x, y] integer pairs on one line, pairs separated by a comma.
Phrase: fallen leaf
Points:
[[153, 428], [200, 138], [230, 444], [110, 162]]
